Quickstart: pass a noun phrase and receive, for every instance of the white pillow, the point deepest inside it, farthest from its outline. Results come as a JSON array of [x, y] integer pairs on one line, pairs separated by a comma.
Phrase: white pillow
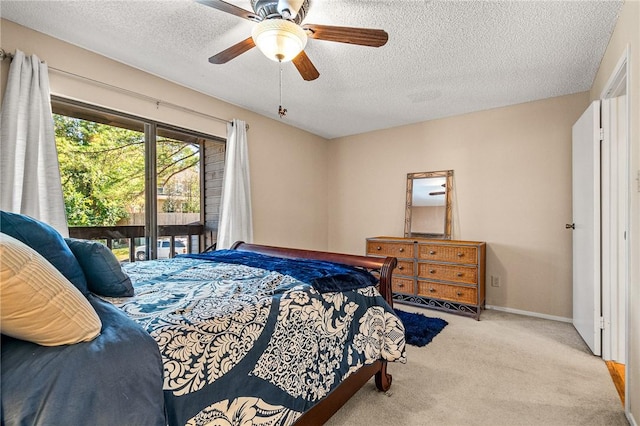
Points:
[[38, 303]]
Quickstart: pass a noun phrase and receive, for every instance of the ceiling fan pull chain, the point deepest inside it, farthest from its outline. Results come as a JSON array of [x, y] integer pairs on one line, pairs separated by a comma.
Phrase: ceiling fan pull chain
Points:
[[282, 112]]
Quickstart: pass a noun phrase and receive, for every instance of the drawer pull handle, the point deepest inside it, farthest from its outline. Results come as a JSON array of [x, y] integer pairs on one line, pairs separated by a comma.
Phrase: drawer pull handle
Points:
[[460, 274], [432, 252], [401, 285], [460, 254], [432, 271], [400, 268], [459, 293], [432, 289], [378, 248], [401, 249]]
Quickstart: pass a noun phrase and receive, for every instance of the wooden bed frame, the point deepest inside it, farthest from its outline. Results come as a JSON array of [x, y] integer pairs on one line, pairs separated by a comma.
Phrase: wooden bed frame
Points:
[[323, 410]]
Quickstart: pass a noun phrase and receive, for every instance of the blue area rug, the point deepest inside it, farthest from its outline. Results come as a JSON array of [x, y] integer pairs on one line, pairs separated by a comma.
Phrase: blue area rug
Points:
[[419, 329]]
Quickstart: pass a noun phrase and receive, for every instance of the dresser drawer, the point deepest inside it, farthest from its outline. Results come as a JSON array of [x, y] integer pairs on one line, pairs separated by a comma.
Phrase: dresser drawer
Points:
[[448, 253], [453, 293], [402, 285], [404, 267], [445, 272], [389, 248]]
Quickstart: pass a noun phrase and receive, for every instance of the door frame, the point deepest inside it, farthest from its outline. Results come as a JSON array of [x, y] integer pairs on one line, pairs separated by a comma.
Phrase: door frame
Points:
[[617, 82]]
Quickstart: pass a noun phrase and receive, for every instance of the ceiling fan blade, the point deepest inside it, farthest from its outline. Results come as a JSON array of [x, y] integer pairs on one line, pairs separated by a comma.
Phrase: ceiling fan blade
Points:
[[233, 51], [230, 8], [305, 67], [360, 36]]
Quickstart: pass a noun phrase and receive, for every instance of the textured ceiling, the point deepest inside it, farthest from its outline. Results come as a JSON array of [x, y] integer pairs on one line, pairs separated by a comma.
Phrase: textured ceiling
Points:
[[443, 58]]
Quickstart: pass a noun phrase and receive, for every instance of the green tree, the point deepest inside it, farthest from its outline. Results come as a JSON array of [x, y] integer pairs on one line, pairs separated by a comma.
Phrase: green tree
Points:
[[179, 166], [103, 171]]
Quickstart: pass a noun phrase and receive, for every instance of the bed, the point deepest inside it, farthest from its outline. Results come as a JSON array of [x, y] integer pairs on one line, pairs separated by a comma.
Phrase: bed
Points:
[[252, 335]]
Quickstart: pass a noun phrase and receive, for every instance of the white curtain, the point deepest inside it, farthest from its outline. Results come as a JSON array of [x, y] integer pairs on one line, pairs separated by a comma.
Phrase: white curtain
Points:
[[235, 211], [29, 172]]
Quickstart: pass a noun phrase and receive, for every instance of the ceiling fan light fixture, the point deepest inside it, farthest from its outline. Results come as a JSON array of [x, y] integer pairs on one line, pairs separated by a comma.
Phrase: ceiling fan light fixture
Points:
[[280, 40]]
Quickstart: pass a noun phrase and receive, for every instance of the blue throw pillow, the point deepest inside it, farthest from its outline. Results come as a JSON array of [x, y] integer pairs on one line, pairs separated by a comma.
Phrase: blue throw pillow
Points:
[[101, 268], [48, 242]]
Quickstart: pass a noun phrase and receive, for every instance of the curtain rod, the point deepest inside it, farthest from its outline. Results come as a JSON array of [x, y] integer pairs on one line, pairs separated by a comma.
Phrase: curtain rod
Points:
[[5, 55], [156, 101]]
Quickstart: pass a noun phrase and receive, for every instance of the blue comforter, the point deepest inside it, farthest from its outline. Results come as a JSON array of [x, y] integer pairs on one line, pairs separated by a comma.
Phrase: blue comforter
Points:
[[115, 379], [323, 276], [251, 345]]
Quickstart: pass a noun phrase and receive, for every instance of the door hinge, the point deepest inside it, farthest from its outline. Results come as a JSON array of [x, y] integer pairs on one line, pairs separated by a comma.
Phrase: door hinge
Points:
[[601, 323], [601, 134]]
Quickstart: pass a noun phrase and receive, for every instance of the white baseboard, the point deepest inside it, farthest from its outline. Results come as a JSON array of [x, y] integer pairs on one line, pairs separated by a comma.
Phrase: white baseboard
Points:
[[529, 314]]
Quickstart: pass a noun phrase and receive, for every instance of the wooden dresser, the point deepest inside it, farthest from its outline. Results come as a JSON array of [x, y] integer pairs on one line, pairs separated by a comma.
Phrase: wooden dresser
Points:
[[447, 275]]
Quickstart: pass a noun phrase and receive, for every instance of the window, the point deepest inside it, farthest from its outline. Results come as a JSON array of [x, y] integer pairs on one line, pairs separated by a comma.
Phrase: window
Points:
[[128, 181]]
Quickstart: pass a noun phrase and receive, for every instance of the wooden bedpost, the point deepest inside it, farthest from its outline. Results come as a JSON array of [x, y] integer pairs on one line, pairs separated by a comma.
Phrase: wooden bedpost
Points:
[[383, 380], [386, 272]]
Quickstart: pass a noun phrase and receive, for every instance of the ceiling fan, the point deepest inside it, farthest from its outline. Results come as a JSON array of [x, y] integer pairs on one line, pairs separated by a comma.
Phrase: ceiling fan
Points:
[[281, 36]]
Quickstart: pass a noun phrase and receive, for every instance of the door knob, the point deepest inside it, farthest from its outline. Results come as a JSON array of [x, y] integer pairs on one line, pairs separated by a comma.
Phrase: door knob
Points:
[[570, 226]]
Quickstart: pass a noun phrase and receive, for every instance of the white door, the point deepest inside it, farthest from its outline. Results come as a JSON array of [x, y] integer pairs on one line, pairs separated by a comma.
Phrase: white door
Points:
[[586, 227]]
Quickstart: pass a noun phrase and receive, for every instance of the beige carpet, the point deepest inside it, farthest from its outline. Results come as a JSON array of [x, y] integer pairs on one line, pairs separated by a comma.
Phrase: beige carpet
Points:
[[505, 369]]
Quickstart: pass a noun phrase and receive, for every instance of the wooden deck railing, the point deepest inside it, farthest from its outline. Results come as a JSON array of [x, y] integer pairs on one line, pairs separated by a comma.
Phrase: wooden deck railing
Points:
[[131, 232]]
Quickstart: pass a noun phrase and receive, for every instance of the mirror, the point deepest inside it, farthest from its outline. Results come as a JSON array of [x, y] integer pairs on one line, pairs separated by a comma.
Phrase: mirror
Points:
[[428, 212]]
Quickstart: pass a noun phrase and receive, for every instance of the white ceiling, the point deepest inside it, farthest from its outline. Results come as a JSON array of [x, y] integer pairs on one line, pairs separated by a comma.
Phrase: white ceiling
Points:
[[443, 58]]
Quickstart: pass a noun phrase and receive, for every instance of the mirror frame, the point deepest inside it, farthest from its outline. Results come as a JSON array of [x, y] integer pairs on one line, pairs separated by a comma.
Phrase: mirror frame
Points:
[[448, 174]]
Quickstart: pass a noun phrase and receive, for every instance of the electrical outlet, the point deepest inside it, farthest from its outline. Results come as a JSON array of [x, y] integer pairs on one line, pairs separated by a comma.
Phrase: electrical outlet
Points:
[[495, 281]]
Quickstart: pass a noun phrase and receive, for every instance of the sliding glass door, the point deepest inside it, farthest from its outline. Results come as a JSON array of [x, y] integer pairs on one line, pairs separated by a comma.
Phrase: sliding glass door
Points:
[[137, 185]]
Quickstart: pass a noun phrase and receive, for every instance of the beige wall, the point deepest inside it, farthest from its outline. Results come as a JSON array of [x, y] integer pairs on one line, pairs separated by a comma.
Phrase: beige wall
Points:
[[512, 189], [288, 165], [627, 35]]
